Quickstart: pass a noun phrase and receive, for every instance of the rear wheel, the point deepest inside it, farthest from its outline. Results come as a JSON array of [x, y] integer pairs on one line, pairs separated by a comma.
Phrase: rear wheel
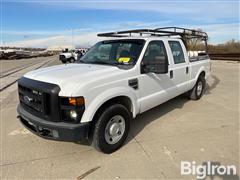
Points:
[[111, 128], [198, 90]]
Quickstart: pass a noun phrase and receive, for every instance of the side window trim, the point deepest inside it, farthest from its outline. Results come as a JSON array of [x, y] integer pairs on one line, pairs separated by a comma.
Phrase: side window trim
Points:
[[174, 41]]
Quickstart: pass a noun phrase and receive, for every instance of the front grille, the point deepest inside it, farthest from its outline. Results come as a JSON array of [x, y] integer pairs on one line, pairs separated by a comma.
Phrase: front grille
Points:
[[39, 98], [32, 100]]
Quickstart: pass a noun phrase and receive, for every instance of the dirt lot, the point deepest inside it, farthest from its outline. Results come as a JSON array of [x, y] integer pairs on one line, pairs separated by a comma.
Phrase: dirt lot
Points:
[[7, 65], [178, 130]]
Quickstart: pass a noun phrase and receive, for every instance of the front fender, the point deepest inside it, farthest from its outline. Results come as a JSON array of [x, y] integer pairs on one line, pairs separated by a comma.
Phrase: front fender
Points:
[[103, 97]]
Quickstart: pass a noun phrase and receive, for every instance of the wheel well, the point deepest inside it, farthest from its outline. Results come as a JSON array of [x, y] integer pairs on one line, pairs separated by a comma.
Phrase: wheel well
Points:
[[123, 100], [202, 74]]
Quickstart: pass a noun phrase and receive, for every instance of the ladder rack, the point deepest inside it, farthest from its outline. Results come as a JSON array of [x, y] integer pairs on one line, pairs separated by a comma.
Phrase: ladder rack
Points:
[[165, 31], [183, 33]]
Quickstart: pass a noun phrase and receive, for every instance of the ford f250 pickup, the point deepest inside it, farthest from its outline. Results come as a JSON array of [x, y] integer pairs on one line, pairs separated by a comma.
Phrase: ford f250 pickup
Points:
[[96, 97]]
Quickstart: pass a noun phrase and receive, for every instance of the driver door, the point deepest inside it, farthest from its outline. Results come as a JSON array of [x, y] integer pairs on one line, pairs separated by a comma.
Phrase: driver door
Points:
[[154, 88]]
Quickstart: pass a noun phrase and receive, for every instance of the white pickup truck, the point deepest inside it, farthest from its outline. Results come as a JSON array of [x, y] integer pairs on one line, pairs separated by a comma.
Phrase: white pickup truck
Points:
[[96, 97], [70, 56]]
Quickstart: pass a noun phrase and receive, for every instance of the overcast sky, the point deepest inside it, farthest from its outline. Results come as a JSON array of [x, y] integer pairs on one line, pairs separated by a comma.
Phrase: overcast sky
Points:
[[43, 23]]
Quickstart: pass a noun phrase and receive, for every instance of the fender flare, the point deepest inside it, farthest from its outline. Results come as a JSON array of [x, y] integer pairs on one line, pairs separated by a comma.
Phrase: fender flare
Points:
[[194, 80], [107, 95]]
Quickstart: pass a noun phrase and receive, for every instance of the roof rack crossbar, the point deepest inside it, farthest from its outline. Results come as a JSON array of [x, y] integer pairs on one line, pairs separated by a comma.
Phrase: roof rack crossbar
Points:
[[192, 33]]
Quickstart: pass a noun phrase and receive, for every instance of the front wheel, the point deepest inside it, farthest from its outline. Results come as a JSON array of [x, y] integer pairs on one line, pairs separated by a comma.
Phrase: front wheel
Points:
[[111, 128], [72, 60], [198, 90]]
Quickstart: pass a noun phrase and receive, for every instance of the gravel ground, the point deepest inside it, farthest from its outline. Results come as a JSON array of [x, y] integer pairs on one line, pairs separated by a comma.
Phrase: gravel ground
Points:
[[7, 65]]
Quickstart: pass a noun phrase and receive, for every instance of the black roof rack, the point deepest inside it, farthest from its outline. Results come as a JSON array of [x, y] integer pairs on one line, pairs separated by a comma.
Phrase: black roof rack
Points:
[[165, 31], [185, 34]]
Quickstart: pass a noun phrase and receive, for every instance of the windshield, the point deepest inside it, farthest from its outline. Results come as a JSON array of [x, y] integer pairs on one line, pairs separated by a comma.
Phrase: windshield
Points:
[[115, 52]]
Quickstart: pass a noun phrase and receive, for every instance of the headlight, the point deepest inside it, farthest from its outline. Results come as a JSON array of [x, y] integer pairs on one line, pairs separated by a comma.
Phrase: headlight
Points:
[[72, 109]]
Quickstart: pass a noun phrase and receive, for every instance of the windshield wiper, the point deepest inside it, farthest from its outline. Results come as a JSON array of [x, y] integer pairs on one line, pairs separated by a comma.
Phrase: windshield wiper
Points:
[[93, 62], [121, 63], [101, 62]]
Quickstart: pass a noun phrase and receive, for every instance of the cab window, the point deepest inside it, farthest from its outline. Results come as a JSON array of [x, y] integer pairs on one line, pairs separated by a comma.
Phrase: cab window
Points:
[[154, 50], [177, 52]]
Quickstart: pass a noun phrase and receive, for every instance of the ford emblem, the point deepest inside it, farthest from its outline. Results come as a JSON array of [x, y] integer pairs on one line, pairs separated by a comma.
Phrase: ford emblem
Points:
[[27, 99]]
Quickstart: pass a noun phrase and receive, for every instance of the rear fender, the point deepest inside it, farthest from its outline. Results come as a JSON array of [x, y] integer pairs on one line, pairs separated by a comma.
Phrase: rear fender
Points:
[[194, 80]]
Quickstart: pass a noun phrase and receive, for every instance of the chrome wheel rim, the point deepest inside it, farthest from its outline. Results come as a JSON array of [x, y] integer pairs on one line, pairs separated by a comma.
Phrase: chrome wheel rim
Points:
[[115, 129], [199, 88]]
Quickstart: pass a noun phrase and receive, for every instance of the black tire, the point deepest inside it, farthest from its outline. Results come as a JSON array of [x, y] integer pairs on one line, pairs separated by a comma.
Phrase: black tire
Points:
[[194, 94], [64, 62], [72, 60], [98, 140]]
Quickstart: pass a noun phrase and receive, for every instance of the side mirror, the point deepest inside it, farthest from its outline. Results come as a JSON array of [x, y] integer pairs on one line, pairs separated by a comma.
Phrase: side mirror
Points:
[[159, 65]]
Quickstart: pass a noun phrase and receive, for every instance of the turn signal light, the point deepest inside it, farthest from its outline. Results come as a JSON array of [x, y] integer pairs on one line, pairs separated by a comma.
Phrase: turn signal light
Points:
[[76, 101]]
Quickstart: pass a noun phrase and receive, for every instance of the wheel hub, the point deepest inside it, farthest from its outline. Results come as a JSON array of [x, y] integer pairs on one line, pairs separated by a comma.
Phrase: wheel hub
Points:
[[199, 88], [115, 129]]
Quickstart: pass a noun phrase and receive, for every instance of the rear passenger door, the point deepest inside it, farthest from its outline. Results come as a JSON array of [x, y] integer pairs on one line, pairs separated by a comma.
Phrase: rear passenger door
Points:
[[179, 72]]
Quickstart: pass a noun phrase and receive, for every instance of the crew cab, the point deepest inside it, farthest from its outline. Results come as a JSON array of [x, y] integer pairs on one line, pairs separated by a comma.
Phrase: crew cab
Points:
[[96, 97]]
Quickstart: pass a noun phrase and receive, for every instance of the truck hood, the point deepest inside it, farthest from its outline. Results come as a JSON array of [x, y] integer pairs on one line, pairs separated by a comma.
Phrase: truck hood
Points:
[[71, 75]]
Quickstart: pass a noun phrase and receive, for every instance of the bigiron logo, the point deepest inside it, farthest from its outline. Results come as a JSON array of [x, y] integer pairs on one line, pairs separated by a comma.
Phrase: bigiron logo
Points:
[[207, 169]]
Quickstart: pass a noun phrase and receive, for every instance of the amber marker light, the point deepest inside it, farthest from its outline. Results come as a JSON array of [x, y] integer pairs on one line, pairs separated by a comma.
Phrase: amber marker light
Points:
[[76, 101]]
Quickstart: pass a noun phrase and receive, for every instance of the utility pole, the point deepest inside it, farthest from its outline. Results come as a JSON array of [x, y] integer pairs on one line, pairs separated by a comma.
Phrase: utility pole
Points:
[[72, 37]]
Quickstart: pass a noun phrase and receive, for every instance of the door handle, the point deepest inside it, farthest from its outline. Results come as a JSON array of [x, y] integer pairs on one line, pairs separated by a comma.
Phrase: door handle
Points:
[[187, 70], [171, 74]]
